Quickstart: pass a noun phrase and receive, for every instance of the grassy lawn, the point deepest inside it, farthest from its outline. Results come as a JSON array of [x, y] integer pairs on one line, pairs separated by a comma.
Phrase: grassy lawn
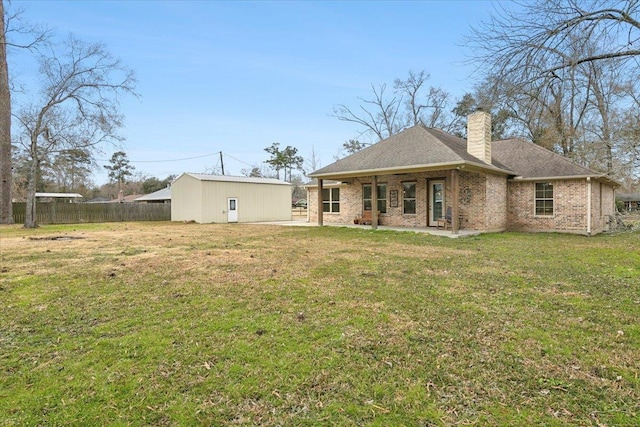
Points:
[[186, 324]]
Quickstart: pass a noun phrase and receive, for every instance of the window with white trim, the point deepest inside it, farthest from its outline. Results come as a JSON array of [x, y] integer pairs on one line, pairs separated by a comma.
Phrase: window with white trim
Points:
[[408, 198], [382, 197], [544, 198], [331, 200]]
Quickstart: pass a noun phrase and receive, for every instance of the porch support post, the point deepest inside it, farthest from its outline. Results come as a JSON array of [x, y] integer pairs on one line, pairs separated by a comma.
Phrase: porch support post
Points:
[[374, 202], [320, 202], [455, 214]]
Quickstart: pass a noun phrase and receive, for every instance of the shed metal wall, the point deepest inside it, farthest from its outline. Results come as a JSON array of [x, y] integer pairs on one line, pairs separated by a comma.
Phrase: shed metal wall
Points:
[[205, 201], [256, 202], [186, 199]]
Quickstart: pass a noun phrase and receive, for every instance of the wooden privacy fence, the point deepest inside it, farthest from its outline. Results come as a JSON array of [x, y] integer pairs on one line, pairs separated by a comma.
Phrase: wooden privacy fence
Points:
[[75, 213]]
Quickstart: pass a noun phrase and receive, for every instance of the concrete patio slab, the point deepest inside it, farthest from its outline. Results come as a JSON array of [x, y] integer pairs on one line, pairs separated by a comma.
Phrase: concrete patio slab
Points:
[[427, 230]]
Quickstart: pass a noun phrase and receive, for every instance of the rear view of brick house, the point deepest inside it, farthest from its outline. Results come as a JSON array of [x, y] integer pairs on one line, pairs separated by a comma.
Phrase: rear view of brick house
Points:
[[419, 175]]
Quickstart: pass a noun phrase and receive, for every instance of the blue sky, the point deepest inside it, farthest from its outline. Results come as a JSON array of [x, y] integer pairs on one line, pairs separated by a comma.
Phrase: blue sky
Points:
[[238, 76]]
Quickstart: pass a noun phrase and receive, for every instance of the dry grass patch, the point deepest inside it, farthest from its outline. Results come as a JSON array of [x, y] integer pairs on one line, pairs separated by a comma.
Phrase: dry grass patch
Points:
[[185, 324]]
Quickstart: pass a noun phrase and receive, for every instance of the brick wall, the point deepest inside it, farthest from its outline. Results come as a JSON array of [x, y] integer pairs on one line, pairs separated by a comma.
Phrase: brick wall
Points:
[[570, 207], [481, 202], [608, 206], [486, 202], [597, 220], [473, 199], [346, 206], [496, 202], [602, 207]]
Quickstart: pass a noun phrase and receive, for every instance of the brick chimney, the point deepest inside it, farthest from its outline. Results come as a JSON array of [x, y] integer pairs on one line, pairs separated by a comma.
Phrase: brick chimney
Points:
[[479, 135]]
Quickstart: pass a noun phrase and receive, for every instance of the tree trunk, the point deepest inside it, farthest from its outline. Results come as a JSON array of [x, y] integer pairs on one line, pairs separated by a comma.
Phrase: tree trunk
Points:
[[6, 207], [30, 213]]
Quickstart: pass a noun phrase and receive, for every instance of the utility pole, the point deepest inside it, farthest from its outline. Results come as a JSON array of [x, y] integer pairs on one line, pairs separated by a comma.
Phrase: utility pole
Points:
[[222, 163]]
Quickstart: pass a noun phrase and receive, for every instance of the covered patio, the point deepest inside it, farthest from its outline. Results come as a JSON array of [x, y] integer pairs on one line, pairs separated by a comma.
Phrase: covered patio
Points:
[[440, 213]]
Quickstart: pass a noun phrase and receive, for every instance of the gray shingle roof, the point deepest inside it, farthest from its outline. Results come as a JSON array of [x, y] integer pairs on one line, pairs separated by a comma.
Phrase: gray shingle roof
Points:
[[414, 147], [529, 160], [419, 147]]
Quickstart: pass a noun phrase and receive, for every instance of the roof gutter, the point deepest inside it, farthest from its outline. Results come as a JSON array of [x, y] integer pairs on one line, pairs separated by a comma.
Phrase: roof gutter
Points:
[[556, 178], [401, 170]]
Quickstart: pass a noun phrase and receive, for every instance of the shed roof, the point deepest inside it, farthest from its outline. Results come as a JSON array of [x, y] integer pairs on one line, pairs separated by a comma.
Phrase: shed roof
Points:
[[162, 194], [229, 178]]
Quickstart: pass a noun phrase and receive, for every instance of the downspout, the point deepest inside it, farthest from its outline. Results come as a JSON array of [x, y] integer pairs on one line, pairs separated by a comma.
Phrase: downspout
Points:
[[589, 206], [374, 202], [308, 203], [320, 206], [455, 211]]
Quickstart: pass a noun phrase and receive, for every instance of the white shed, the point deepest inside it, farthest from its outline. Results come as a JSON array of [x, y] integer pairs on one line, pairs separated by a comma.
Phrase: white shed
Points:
[[220, 199]]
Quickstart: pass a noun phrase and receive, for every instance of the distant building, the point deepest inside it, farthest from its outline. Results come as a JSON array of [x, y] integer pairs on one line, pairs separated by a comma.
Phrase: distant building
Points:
[[631, 201], [160, 196], [58, 197]]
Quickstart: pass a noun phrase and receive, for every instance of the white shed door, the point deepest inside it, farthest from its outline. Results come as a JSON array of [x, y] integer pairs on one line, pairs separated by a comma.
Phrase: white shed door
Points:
[[232, 209]]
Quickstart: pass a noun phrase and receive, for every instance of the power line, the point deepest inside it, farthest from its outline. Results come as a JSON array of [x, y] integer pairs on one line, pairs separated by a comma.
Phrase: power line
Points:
[[237, 160], [165, 161], [216, 154]]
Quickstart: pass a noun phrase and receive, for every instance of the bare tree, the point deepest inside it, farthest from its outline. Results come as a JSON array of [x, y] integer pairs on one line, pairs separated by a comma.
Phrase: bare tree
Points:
[[378, 115], [427, 109], [35, 37], [630, 143], [561, 68], [411, 88], [70, 170], [312, 162], [630, 134], [77, 109], [532, 37], [6, 207], [410, 103], [254, 171], [608, 90]]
